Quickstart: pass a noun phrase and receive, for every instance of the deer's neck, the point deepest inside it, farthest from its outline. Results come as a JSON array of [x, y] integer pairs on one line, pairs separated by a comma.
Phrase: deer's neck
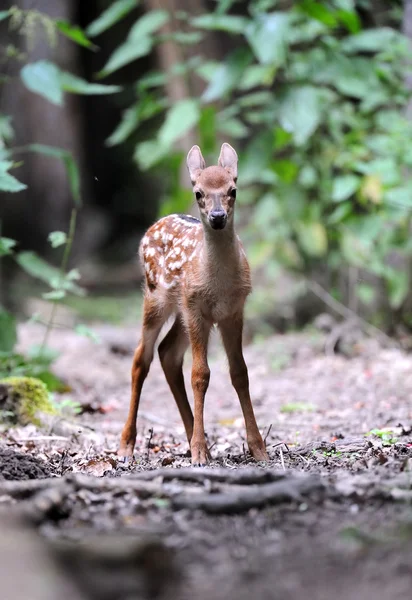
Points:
[[221, 251]]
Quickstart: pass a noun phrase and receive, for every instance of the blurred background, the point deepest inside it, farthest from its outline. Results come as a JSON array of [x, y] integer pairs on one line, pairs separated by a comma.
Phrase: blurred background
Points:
[[101, 100]]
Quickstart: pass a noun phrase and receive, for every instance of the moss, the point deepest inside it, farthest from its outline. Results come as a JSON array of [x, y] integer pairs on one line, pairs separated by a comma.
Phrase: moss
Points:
[[27, 397]]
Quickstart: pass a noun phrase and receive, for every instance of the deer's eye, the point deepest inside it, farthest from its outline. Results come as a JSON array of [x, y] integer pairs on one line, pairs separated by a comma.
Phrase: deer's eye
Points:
[[233, 193], [198, 195]]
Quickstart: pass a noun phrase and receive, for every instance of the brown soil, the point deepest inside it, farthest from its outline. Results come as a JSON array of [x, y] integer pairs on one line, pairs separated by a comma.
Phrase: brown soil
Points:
[[346, 421]]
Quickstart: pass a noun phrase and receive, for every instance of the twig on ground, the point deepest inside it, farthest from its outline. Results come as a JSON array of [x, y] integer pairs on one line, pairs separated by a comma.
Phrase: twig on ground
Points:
[[149, 442], [267, 434], [281, 458]]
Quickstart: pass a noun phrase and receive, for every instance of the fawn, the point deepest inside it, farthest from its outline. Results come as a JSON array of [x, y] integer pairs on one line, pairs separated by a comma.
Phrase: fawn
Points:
[[197, 271]]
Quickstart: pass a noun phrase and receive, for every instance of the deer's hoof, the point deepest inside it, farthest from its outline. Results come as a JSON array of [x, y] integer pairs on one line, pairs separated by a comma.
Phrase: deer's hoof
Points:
[[200, 454], [258, 451], [126, 448]]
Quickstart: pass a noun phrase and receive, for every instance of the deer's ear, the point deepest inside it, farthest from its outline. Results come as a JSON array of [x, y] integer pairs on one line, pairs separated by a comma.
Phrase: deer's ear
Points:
[[195, 163], [228, 159]]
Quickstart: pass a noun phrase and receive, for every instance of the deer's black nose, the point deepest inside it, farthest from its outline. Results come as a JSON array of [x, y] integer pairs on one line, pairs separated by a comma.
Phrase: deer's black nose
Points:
[[217, 219]]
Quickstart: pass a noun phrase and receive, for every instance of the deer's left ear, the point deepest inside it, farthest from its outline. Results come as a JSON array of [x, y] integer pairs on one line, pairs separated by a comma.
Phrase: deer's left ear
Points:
[[228, 159]]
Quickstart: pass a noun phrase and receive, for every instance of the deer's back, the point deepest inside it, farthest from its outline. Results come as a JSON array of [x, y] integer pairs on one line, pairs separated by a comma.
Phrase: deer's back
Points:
[[167, 248]]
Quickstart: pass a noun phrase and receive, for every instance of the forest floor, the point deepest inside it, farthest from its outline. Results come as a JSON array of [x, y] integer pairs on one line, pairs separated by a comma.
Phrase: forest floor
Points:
[[329, 516]]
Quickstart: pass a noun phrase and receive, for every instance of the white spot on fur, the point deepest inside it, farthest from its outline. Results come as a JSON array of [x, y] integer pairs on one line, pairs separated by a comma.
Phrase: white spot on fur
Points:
[[145, 241], [151, 251]]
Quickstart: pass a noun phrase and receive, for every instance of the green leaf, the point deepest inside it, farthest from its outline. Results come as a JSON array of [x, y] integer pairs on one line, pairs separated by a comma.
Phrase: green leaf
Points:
[[267, 36], [54, 295], [398, 288], [57, 238], [8, 331], [257, 75], [74, 33], [125, 54], [77, 85], [8, 183], [318, 11], [340, 213], [114, 13], [232, 127], [371, 40], [350, 19], [180, 118], [4, 14], [312, 238], [73, 174], [147, 107], [129, 122], [6, 129], [43, 78], [81, 329], [73, 275], [42, 270], [147, 154], [300, 112], [344, 187], [6, 246], [228, 23], [148, 24], [227, 76]]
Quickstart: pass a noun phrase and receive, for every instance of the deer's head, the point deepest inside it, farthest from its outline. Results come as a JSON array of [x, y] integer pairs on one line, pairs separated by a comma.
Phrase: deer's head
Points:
[[214, 187]]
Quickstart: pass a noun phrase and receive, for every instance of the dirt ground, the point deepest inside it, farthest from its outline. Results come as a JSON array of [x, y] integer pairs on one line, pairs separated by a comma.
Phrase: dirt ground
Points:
[[329, 516]]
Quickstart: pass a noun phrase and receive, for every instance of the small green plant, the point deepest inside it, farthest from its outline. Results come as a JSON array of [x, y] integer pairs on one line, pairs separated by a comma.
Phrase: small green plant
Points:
[[333, 454], [296, 407], [386, 435], [66, 406]]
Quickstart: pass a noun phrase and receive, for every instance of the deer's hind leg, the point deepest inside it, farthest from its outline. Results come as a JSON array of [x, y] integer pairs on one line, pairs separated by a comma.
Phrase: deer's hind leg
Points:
[[171, 353], [154, 317]]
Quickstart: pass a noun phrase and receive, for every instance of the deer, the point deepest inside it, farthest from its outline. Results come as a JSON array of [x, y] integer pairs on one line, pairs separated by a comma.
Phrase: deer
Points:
[[196, 271]]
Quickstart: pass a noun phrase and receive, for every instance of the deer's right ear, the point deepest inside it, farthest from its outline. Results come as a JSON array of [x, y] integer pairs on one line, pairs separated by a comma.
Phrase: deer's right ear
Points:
[[195, 163]]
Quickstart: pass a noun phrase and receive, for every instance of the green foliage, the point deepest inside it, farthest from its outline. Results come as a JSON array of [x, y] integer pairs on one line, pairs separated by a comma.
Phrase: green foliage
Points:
[[317, 101], [36, 365], [45, 78], [8, 183], [114, 13]]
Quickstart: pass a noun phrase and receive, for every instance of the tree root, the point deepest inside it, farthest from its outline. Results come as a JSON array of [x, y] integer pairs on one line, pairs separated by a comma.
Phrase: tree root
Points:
[[226, 492]]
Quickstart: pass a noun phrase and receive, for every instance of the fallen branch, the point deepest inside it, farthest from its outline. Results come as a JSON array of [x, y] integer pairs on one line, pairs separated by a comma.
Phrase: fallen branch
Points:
[[201, 474], [292, 489]]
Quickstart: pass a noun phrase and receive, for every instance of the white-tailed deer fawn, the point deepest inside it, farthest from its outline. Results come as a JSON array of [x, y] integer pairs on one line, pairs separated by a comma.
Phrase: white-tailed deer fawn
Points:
[[198, 272]]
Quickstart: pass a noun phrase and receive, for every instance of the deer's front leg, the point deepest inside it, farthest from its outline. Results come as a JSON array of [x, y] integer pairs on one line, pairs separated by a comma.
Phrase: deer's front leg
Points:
[[231, 331], [199, 331]]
